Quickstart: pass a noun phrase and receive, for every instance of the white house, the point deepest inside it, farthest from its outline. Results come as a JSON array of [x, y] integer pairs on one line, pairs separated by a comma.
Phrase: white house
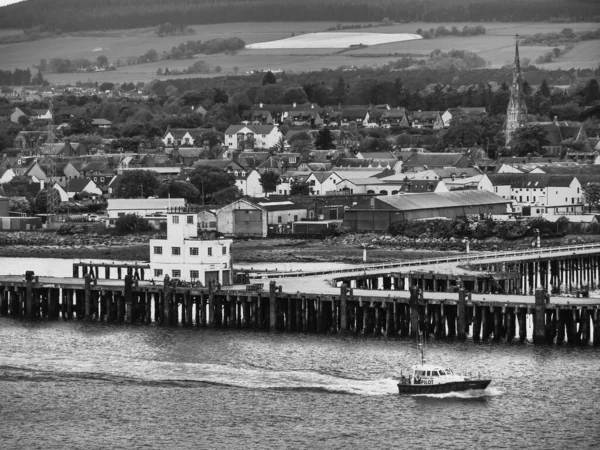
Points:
[[319, 183], [81, 185], [64, 197], [118, 207], [241, 137], [248, 182], [537, 193], [242, 218], [184, 256], [180, 136], [6, 175]]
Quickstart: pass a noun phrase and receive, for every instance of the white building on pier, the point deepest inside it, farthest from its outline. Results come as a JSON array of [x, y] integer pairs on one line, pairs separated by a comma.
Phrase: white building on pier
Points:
[[184, 256]]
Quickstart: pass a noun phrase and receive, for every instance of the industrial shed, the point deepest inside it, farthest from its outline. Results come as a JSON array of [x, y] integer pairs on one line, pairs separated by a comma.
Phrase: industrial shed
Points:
[[242, 218], [377, 213]]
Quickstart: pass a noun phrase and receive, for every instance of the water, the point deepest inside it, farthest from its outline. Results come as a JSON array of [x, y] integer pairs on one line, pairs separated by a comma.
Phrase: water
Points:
[[76, 385]]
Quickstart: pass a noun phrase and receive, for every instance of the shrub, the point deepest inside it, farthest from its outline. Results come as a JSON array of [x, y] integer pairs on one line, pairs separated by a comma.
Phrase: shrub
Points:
[[131, 223]]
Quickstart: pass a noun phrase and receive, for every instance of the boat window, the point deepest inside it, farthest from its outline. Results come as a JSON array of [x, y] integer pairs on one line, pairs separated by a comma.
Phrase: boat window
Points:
[[442, 372], [434, 373], [429, 373]]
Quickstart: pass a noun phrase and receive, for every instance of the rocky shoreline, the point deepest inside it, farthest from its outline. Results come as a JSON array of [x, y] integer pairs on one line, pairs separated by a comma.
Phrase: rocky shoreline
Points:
[[347, 248]]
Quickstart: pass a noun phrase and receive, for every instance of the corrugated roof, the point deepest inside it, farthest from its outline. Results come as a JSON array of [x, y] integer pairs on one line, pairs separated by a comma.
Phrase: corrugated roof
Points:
[[407, 202], [530, 180]]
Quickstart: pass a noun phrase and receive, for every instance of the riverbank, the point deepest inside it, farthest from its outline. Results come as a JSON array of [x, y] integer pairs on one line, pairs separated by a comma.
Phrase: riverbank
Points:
[[347, 248]]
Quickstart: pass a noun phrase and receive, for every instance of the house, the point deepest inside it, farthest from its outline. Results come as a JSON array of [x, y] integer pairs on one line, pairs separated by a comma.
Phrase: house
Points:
[[536, 194], [207, 219], [248, 182], [559, 131], [80, 185], [418, 161], [455, 112], [66, 148], [282, 162], [248, 137], [346, 115], [101, 124], [164, 173], [67, 112], [305, 117], [181, 136], [288, 180], [281, 215], [188, 155], [6, 175], [64, 196], [394, 118], [30, 139], [184, 256], [256, 117], [242, 218], [119, 207], [390, 186], [377, 213], [30, 113], [320, 183], [427, 119]]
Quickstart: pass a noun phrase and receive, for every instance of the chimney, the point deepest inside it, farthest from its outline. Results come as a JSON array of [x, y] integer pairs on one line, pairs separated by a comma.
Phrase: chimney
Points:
[[294, 104], [260, 105], [555, 120]]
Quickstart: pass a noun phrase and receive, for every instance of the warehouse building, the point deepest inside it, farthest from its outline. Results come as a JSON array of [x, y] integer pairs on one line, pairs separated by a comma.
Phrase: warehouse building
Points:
[[377, 213]]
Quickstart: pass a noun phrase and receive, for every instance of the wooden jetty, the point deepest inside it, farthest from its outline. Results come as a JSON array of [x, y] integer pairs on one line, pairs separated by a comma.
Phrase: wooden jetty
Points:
[[341, 309]]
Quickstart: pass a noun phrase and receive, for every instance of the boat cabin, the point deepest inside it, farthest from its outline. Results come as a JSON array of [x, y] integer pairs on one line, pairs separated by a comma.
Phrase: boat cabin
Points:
[[429, 374]]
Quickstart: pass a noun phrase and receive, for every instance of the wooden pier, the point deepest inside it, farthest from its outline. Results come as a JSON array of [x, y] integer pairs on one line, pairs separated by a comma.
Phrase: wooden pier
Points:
[[457, 315]]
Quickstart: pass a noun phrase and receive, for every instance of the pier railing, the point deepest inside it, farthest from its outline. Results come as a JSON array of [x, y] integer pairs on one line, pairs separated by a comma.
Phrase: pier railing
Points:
[[543, 251]]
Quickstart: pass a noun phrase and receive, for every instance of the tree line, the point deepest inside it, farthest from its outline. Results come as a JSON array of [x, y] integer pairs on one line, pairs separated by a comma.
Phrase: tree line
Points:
[[76, 15], [20, 77]]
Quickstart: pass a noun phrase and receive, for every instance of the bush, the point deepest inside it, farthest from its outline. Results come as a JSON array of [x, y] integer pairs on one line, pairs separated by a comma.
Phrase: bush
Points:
[[131, 223], [69, 229]]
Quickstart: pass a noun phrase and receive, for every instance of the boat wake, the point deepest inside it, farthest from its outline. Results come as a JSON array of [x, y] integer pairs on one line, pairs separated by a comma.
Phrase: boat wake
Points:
[[191, 375], [467, 395]]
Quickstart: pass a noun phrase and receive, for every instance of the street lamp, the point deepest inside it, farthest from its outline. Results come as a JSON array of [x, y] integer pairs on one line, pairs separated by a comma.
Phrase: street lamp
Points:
[[466, 241], [537, 240]]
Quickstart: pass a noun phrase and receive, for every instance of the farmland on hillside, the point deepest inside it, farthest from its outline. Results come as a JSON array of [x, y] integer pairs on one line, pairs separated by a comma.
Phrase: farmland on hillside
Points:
[[496, 47]]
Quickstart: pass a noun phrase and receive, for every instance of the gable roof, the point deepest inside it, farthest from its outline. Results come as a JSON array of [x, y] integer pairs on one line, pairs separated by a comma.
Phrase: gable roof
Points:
[[433, 159], [256, 129], [78, 184], [179, 133], [530, 180]]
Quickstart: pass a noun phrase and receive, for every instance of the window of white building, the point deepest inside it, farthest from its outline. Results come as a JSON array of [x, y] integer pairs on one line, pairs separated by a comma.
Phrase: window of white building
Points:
[[175, 250], [209, 251], [194, 251], [158, 272], [194, 274], [190, 219], [176, 273], [158, 250], [175, 219]]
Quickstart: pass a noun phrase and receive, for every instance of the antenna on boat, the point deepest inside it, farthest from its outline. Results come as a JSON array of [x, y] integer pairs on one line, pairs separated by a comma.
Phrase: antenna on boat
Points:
[[420, 348]]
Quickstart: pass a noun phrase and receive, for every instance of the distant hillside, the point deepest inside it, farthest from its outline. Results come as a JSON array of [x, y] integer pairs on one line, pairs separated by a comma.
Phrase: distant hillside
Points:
[[77, 15]]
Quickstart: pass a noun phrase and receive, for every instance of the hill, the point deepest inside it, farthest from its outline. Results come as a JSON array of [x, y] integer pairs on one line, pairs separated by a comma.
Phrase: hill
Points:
[[79, 15]]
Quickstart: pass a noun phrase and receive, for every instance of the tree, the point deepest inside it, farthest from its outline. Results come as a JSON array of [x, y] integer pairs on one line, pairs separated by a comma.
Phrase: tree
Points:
[[226, 196], [528, 140], [41, 199], [269, 180], [235, 69], [221, 96], [151, 56], [19, 204], [269, 78], [24, 120], [130, 223], [324, 140], [159, 72], [545, 89], [210, 180], [300, 188], [295, 94], [138, 183], [592, 92], [102, 61], [591, 193], [300, 142], [179, 189]]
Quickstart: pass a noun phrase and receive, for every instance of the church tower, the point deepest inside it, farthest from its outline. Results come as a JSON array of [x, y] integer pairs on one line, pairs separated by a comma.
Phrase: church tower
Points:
[[516, 114]]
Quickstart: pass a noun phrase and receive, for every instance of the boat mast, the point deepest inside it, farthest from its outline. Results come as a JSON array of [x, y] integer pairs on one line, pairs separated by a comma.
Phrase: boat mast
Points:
[[420, 348]]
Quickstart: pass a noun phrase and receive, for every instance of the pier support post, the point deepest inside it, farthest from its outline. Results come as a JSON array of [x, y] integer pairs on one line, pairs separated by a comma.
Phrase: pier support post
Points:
[[87, 297], [272, 306], [596, 323], [128, 294], [29, 295], [343, 308], [166, 320], [522, 318], [539, 326], [585, 325], [414, 311], [4, 301], [189, 318]]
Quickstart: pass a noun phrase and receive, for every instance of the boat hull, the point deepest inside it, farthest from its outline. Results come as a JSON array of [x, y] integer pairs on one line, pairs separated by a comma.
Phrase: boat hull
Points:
[[444, 388]]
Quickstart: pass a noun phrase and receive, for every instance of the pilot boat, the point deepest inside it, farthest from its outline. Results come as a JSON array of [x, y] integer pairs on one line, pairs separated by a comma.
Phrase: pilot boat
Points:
[[432, 379]]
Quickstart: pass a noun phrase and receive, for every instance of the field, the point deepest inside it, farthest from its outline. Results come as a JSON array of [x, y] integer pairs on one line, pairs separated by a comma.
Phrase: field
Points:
[[496, 47], [336, 39]]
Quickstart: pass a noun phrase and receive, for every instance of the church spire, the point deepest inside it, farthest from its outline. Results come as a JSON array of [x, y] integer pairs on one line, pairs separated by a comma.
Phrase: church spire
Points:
[[516, 114]]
